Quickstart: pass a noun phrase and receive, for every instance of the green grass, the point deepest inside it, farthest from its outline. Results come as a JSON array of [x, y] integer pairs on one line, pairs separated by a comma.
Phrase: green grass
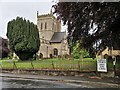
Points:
[[86, 64]]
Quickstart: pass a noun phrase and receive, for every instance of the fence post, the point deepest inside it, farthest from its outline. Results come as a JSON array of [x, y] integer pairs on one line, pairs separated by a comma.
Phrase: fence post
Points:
[[79, 65], [32, 65], [14, 65], [53, 65], [1, 65], [81, 60]]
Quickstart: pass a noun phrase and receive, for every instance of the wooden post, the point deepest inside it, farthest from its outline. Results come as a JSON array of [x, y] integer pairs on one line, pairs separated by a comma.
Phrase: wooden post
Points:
[[14, 65], [32, 65], [81, 60], [79, 65], [1, 65], [114, 67], [53, 65]]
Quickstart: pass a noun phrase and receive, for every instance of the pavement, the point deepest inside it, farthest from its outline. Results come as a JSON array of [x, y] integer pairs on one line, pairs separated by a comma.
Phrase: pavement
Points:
[[88, 81]]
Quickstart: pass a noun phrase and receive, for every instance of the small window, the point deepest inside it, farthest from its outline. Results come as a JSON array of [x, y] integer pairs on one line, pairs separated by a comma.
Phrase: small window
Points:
[[41, 26], [45, 25], [43, 41], [52, 25]]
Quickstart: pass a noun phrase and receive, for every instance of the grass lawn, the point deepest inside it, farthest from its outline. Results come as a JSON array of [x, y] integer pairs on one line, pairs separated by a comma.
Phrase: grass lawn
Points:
[[86, 64]]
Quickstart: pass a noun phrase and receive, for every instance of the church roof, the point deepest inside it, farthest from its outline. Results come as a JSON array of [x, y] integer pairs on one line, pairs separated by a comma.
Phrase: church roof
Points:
[[57, 37]]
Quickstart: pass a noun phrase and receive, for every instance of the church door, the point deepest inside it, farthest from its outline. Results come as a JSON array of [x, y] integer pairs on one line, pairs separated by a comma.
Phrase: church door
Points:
[[55, 52], [41, 55]]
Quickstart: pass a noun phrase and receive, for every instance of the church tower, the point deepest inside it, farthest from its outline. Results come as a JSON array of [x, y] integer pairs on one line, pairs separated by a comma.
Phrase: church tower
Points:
[[47, 25]]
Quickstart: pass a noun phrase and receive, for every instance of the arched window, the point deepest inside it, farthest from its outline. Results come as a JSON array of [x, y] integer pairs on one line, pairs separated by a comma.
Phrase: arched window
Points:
[[52, 26], [45, 25], [55, 52], [41, 26]]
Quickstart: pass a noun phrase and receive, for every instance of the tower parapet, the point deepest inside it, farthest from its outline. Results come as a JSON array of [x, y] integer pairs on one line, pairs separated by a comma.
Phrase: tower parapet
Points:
[[47, 25]]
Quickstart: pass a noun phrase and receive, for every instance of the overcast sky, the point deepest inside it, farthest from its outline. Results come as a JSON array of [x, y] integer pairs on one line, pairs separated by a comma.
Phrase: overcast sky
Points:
[[10, 9]]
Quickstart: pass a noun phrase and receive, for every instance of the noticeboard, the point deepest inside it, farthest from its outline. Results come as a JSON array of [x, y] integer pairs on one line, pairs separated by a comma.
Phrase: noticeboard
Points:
[[102, 65]]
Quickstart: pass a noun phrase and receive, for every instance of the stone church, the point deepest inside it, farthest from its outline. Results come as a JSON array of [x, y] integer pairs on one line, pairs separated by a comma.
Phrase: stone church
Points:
[[53, 41]]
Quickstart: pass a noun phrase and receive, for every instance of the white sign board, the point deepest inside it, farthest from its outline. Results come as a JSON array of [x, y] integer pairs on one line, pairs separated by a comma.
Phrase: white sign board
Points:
[[102, 65]]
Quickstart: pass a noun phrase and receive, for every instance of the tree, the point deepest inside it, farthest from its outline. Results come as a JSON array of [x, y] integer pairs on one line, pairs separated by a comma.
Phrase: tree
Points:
[[95, 24], [23, 38], [77, 51]]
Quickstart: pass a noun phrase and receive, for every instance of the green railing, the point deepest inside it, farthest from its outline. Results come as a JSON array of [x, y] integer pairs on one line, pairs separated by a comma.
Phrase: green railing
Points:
[[85, 65], [51, 64]]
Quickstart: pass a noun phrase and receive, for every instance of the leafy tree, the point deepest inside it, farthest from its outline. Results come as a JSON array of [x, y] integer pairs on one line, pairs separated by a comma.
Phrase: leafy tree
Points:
[[95, 24], [23, 38], [77, 51]]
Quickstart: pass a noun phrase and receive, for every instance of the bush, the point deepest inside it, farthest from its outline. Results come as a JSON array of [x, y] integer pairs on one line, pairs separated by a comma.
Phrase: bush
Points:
[[10, 55]]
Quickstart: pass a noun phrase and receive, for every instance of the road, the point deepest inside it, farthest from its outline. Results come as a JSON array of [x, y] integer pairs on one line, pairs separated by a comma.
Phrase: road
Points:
[[37, 81]]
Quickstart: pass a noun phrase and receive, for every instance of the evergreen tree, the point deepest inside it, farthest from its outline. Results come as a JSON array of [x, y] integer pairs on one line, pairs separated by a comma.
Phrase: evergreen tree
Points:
[[23, 38]]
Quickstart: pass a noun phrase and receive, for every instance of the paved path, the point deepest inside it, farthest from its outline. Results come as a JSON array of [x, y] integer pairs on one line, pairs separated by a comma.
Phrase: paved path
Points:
[[42, 81]]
